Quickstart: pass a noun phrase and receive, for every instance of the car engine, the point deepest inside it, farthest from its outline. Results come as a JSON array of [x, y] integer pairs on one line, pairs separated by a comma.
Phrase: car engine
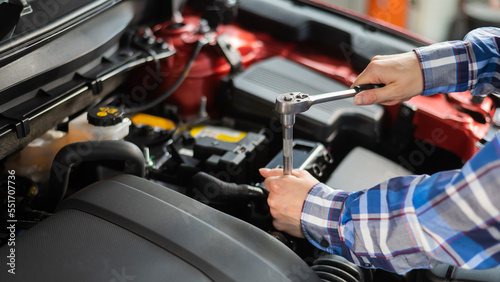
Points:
[[131, 134]]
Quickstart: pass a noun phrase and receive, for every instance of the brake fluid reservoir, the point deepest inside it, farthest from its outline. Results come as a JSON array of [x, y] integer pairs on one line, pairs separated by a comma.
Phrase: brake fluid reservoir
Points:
[[101, 123]]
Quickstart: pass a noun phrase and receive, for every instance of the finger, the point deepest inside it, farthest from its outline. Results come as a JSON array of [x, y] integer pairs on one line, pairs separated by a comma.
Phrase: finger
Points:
[[274, 184], [272, 202], [270, 184], [367, 97], [390, 103], [266, 172], [369, 76], [280, 224], [385, 57]]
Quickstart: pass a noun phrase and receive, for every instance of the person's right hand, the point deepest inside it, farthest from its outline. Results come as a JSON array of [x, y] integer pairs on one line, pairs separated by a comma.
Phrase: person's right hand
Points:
[[401, 74], [287, 194]]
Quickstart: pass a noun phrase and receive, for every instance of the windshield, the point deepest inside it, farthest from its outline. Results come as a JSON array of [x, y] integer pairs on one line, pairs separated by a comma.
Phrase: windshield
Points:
[[22, 16], [435, 20], [27, 22]]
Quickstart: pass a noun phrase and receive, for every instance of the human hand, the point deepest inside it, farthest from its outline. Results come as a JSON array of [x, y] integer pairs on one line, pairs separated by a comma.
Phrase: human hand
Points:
[[401, 74], [287, 194]]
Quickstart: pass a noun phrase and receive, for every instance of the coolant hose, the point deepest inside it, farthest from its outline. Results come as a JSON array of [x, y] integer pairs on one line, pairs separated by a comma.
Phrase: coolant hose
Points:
[[97, 150], [211, 190]]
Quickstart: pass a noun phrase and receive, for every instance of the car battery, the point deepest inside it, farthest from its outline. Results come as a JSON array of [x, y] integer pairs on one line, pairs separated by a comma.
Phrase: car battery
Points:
[[310, 156], [229, 154]]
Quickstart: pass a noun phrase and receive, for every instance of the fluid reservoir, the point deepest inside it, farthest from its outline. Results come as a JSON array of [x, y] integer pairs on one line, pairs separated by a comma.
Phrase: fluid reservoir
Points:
[[35, 161], [101, 123]]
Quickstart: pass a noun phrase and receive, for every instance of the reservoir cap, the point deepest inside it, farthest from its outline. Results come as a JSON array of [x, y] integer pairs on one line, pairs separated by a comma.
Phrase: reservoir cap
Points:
[[105, 116]]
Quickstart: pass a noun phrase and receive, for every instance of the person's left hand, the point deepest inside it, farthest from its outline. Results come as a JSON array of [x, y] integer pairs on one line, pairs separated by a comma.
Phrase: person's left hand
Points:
[[287, 194]]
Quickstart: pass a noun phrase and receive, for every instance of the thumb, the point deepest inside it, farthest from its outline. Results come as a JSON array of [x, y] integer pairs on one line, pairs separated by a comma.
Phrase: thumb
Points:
[[266, 172], [366, 97], [374, 96]]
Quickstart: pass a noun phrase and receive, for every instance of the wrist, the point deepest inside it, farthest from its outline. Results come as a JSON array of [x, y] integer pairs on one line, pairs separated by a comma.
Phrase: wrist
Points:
[[444, 67], [320, 217]]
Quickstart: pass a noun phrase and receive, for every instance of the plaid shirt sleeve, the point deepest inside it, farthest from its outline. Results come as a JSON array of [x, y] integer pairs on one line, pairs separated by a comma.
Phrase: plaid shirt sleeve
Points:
[[457, 66], [414, 222]]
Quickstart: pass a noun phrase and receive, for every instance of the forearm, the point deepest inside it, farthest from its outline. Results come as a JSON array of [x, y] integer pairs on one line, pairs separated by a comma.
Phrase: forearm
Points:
[[458, 66], [365, 228], [414, 222]]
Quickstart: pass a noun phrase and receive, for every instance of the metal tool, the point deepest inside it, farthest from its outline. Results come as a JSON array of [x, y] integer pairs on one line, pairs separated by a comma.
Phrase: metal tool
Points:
[[290, 104]]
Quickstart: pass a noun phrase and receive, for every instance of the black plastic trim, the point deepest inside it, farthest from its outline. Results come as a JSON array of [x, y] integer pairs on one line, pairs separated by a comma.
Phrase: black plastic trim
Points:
[[63, 75], [356, 40]]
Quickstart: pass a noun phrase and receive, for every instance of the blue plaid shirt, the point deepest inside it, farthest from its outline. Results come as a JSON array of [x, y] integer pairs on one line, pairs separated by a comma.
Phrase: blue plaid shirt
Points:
[[413, 222]]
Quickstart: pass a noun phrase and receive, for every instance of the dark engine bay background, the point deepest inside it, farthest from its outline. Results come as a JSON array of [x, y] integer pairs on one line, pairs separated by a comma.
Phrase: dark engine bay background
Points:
[[183, 95]]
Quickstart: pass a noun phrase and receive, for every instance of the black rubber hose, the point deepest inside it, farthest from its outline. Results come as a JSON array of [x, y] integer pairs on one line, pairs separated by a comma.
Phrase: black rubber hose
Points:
[[331, 273], [328, 277], [174, 87], [79, 152], [211, 190], [340, 268]]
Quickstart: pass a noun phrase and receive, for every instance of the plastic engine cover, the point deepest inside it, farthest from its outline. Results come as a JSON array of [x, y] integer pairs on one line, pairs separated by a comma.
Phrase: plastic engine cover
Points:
[[256, 90], [129, 227]]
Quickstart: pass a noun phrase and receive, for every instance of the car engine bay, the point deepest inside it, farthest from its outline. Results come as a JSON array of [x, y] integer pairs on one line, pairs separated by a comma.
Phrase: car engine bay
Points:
[[123, 121]]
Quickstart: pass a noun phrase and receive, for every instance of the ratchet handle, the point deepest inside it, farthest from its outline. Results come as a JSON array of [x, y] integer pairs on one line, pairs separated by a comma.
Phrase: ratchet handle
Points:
[[364, 87]]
